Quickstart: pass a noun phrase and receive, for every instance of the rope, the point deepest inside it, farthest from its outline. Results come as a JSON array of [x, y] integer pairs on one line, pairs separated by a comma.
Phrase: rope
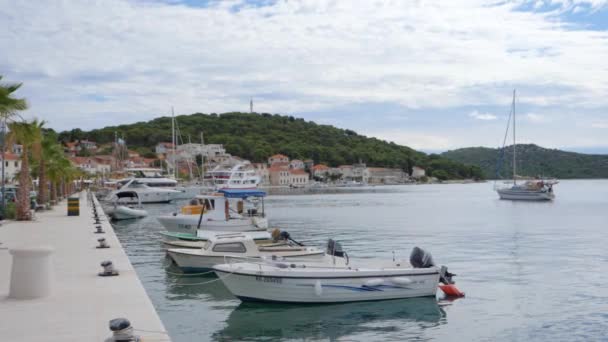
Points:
[[206, 282]]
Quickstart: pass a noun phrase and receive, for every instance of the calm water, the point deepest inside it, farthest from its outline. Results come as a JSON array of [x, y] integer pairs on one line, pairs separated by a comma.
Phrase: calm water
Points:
[[531, 271]]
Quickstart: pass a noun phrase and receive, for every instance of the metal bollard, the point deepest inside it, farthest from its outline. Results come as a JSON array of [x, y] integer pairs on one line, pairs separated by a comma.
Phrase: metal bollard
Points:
[[108, 269], [122, 331], [102, 243], [99, 230]]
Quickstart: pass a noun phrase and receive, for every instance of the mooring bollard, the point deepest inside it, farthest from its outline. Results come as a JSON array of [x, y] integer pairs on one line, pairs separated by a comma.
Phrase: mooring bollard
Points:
[[99, 230], [31, 273], [108, 269], [122, 331], [102, 243]]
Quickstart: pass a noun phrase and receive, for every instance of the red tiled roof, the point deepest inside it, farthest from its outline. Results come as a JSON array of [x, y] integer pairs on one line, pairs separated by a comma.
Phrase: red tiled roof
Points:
[[10, 156], [277, 156], [320, 167], [298, 172]]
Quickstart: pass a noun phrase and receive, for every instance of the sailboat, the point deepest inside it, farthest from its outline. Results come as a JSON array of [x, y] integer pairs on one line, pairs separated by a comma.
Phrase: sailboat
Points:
[[530, 190]]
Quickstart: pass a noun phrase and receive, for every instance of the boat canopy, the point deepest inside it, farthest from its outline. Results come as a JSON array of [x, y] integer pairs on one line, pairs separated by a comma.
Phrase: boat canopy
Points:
[[242, 193]]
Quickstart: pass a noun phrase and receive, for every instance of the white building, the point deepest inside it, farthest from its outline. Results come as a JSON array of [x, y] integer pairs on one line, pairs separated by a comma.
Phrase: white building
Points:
[[296, 164], [278, 158], [418, 172], [12, 166]]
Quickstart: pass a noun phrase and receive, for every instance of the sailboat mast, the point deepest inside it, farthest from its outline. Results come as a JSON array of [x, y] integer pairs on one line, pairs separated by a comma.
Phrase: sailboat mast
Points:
[[514, 153], [202, 157], [173, 140]]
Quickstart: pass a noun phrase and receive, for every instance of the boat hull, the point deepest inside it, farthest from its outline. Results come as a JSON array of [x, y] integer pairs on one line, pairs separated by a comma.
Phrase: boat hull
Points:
[[191, 262], [125, 213], [252, 287], [519, 195], [189, 224]]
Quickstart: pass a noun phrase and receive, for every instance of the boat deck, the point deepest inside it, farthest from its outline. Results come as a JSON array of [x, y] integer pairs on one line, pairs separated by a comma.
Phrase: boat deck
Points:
[[81, 303]]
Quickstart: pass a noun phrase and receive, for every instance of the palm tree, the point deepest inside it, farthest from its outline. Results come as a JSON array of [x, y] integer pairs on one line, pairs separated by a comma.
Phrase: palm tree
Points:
[[57, 169], [50, 151], [29, 135], [9, 106]]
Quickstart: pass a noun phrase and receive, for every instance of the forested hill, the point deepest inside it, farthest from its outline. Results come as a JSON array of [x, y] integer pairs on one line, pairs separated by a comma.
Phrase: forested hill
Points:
[[533, 160], [258, 136]]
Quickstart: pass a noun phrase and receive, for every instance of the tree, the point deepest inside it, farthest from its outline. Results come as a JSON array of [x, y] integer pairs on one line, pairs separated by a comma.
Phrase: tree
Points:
[[50, 151], [29, 135]]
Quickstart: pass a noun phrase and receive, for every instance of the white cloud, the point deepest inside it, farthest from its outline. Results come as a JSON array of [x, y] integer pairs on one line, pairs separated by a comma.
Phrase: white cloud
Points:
[[482, 116], [91, 63]]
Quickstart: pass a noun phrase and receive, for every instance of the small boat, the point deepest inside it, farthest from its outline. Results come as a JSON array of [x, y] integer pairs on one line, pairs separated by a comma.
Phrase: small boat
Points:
[[239, 245], [123, 212], [186, 240], [220, 211], [323, 282], [531, 190]]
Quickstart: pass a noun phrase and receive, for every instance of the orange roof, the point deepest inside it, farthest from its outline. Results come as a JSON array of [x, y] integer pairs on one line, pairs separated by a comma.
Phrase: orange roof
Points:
[[345, 167], [277, 156], [320, 167], [298, 172], [10, 156]]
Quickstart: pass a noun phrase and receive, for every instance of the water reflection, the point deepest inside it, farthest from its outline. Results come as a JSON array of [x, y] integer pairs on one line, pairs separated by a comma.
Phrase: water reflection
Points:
[[279, 321]]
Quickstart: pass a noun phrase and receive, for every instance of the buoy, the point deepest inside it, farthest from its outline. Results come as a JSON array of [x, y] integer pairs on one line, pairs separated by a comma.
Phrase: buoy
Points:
[[374, 282], [318, 288], [401, 280], [451, 290]]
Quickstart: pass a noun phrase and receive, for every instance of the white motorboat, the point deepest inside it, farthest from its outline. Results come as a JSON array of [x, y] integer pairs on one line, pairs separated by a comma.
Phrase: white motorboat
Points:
[[240, 175], [121, 211], [185, 240], [531, 190], [309, 282], [145, 193], [239, 245], [154, 178], [221, 211]]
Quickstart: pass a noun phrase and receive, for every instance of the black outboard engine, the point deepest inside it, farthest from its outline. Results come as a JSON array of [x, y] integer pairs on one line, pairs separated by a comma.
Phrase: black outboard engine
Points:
[[421, 258], [335, 248]]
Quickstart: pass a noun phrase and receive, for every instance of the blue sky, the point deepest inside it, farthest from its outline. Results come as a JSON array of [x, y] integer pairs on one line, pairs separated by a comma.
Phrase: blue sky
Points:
[[434, 75]]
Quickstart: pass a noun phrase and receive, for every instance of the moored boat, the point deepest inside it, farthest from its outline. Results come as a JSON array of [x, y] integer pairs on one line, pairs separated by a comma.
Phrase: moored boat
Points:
[[221, 211], [122, 211], [323, 282], [240, 245]]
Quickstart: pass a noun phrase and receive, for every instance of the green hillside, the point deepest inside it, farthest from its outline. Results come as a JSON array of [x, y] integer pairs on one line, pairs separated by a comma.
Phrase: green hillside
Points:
[[533, 160], [257, 136]]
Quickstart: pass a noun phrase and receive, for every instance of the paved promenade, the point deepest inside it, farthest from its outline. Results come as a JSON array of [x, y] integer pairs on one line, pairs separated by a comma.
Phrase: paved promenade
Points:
[[81, 303]]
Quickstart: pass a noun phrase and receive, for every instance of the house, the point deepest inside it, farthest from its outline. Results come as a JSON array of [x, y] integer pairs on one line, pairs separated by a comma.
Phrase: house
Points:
[[87, 145], [296, 164], [418, 172], [382, 175], [279, 174], [163, 147], [133, 154], [12, 166], [320, 171], [298, 177], [278, 158], [17, 149]]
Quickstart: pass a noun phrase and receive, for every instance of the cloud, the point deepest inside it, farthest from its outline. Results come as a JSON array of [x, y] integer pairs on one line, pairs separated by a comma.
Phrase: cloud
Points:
[[482, 116], [536, 118], [92, 63], [600, 124]]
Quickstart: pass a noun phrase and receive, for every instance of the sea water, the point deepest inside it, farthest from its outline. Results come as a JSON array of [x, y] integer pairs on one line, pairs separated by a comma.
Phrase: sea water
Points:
[[532, 271]]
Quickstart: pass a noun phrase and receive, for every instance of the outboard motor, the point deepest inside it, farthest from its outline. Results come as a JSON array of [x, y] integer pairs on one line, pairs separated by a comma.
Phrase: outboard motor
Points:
[[419, 258]]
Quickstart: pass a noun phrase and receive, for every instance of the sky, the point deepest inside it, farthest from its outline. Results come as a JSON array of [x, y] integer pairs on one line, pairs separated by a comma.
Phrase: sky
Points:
[[434, 75]]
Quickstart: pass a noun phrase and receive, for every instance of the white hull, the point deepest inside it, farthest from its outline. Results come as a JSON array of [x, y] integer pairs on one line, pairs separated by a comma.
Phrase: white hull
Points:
[[525, 195], [126, 213], [328, 288], [189, 223], [188, 261]]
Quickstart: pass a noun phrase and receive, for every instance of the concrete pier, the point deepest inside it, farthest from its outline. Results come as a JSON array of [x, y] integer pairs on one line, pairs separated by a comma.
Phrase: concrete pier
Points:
[[80, 303]]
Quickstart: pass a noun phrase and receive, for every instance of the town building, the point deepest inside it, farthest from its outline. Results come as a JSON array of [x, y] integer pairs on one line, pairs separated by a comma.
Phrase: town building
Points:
[[163, 147], [381, 175], [278, 158], [12, 166], [418, 172], [320, 171], [296, 164], [91, 165], [261, 169]]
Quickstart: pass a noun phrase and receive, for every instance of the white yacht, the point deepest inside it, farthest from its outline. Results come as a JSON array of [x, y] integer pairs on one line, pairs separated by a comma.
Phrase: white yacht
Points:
[[145, 193], [240, 175], [153, 177]]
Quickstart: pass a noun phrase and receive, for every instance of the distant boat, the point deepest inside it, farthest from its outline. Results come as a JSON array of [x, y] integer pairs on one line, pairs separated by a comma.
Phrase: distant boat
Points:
[[240, 175], [530, 190]]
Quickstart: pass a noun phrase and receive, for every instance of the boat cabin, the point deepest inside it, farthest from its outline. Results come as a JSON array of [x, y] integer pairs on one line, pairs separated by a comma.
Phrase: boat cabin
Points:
[[227, 204]]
